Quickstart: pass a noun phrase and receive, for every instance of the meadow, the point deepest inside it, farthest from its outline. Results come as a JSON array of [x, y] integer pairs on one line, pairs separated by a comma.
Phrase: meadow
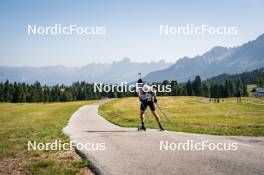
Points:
[[194, 115], [43, 123]]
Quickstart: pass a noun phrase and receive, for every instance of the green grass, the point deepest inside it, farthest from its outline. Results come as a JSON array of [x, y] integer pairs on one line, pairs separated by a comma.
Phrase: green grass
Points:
[[194, 114], [41, 122]]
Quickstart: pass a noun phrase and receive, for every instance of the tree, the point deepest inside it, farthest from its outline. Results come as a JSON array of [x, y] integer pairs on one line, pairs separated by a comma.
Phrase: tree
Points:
[[2, 91], [174, 86], [239, 84], [8, 91], [260, 81], [245, 92], [165, 83], [18, 95], [227, 90], [46, 94], [205, 89], [36, 94], [67, 96], [197, 86], [189, 89], [221, 91], [214, 90]]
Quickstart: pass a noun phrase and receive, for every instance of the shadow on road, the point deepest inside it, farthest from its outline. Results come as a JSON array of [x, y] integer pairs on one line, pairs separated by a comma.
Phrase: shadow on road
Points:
[[112, 131]]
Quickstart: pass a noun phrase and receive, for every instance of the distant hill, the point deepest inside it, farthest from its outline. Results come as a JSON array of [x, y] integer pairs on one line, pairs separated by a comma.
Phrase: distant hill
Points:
[[116, 72], [246, 77], [218, 60]]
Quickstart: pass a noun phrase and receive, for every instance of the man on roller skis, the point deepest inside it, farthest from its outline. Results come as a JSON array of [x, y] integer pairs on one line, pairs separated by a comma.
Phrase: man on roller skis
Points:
[[147, 97]]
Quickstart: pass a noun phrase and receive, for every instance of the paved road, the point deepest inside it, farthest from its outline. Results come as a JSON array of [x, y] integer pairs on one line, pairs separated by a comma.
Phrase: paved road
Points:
[[131, 152]]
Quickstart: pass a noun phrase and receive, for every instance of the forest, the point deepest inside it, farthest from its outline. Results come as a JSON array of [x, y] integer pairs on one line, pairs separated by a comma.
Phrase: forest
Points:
[[222, 86]]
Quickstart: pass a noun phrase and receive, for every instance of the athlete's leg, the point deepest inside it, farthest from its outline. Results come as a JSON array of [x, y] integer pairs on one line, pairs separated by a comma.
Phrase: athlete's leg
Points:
[[142, 117], [155, 114], [152, 107], [143, 107]]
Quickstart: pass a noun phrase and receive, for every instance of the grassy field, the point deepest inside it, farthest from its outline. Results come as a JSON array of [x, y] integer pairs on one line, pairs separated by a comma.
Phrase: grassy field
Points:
[[194, 114], [41, 122]]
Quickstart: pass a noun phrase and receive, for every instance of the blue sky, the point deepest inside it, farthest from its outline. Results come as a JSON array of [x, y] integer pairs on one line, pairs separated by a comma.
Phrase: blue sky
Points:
[[132, 29]]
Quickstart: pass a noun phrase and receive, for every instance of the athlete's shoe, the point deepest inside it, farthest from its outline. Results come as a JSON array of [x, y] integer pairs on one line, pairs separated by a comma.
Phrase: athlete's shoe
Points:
[[161, 127], [142, 127]]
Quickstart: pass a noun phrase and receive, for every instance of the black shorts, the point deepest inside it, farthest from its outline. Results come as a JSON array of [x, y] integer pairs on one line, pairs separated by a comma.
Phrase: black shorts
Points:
[[145, 104]]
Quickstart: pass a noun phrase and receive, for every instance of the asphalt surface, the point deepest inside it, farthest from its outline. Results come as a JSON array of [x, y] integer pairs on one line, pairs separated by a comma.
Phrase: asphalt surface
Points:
[[128, 151]]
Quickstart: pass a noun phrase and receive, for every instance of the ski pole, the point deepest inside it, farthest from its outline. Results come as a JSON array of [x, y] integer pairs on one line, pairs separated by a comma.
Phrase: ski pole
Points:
[[164, 114]]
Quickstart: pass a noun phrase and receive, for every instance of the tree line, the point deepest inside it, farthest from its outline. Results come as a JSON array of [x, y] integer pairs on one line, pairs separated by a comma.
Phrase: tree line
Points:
[[22, 92], [222, 86], [197, 87], [253, 77]]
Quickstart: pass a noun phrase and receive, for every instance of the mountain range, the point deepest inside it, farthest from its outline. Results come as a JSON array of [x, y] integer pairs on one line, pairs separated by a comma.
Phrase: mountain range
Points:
[[218, 60], [116, 72]]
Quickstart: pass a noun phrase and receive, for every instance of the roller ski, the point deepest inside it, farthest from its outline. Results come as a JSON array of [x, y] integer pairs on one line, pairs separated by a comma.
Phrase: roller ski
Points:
[[161, 127], [142, 128]]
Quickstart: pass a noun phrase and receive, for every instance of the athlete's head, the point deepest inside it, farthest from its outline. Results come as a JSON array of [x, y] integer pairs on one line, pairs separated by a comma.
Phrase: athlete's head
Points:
[[140, 81]]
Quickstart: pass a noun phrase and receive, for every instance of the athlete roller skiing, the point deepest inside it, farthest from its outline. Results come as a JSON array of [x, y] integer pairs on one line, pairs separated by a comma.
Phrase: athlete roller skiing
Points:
[[147, 98]]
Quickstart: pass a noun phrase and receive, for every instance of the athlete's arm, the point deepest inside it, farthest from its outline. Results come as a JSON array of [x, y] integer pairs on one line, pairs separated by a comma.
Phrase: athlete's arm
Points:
[[138, 94]]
